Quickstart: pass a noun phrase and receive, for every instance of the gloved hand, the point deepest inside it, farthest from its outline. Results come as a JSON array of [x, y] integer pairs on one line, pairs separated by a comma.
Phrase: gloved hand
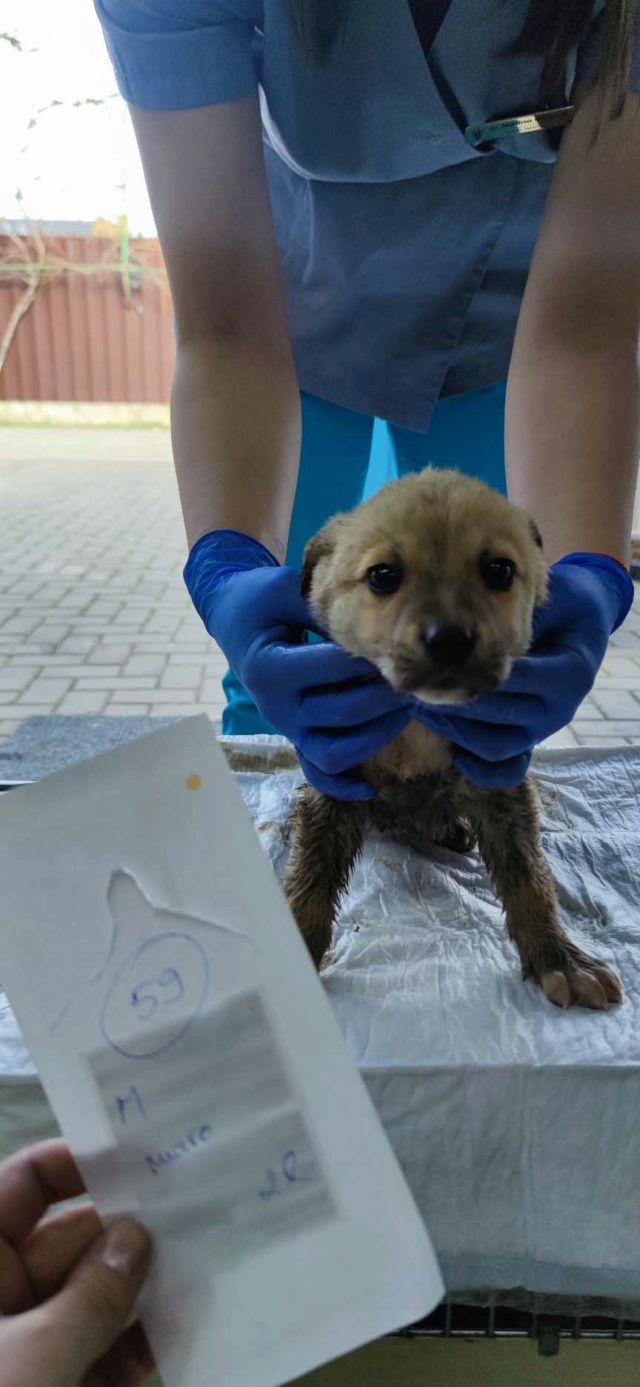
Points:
[[336, 710], [589, 597]]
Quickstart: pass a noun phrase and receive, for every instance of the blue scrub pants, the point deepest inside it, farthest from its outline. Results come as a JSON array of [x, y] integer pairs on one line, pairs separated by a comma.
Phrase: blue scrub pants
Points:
[[346, 456]]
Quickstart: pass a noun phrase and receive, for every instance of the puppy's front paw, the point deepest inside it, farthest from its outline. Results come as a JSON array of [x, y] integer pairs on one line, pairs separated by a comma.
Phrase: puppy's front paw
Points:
[[583, 982]]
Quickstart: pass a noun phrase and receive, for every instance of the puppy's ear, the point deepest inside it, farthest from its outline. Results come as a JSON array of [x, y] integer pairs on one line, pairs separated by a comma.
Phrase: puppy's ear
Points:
[[541, 571], [318, 548]]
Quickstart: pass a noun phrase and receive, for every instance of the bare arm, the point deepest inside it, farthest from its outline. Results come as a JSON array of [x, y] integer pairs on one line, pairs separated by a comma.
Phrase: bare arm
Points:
[[235, 408], [573, 400]]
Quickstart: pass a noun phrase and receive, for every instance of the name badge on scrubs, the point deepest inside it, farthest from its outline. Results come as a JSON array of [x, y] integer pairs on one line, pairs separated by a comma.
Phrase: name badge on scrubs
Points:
[[493, 131]]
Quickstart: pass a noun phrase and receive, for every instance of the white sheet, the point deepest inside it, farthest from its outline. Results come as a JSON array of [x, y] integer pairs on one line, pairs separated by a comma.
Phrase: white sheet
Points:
[[518, 1126]]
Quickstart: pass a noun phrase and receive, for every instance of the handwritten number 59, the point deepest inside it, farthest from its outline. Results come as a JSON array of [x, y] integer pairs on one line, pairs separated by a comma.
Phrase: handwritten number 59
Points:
[[167, 988]]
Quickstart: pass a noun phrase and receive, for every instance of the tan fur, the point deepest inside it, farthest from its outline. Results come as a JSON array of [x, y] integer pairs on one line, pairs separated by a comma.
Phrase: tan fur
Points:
[[438, 526]]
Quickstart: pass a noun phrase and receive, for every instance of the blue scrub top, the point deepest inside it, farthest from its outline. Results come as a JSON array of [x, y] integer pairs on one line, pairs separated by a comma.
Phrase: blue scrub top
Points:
[[405, 251]]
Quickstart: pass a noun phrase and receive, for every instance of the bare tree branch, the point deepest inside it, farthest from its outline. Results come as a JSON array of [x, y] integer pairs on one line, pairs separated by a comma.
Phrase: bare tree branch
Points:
[[75, 105], [31, 268], [20, 308]]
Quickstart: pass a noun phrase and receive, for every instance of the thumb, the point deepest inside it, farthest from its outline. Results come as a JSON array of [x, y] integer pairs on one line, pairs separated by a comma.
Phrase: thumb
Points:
[[291, 608], [84, 1319]]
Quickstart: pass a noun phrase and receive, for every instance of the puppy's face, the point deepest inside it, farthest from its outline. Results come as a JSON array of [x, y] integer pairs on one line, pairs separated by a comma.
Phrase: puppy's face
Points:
[[433, 580]]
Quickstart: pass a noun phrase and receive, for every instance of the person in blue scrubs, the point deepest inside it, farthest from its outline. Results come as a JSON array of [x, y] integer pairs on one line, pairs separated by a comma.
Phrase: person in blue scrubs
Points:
[[381, 219]]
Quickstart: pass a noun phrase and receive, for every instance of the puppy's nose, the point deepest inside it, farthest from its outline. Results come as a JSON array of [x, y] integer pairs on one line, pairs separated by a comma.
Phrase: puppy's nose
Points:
[[449, 646]]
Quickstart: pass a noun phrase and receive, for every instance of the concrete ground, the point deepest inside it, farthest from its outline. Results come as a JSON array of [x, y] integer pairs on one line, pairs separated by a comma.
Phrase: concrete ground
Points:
[[94, 617]]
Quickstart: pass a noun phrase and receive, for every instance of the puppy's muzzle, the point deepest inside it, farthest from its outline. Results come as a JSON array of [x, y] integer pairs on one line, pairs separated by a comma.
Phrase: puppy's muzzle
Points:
[[449, 647]]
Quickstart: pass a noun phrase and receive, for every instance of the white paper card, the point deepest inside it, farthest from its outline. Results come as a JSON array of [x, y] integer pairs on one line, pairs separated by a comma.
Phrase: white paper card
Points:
[[195, 1066]]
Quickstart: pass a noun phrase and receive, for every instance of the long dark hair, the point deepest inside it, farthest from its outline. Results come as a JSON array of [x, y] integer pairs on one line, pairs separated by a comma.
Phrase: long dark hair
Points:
[[551, 29]]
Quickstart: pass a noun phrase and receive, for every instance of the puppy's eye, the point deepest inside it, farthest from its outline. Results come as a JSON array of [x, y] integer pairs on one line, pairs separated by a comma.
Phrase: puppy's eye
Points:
[[498, 574], [385, 578]]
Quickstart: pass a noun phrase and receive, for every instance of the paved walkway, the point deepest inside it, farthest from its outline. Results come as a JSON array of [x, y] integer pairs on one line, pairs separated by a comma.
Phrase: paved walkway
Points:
[[94, 617]]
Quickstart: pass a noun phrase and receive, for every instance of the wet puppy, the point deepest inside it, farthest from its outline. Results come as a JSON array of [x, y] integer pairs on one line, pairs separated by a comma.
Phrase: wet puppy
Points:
[[434, 580]]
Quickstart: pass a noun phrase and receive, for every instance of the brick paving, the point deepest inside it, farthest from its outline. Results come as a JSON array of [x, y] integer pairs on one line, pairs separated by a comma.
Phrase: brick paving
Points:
[[94, 617]]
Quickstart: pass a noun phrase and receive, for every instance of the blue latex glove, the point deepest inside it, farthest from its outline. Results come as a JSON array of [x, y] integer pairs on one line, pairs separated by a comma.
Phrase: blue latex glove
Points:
[[589, 597], [336, 710]]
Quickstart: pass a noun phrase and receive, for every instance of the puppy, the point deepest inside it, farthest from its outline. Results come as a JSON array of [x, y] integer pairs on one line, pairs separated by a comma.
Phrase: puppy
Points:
[[434, 580]]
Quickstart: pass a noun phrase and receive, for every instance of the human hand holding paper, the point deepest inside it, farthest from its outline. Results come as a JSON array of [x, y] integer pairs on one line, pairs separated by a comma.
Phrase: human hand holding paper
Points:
[[67, 1290]]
